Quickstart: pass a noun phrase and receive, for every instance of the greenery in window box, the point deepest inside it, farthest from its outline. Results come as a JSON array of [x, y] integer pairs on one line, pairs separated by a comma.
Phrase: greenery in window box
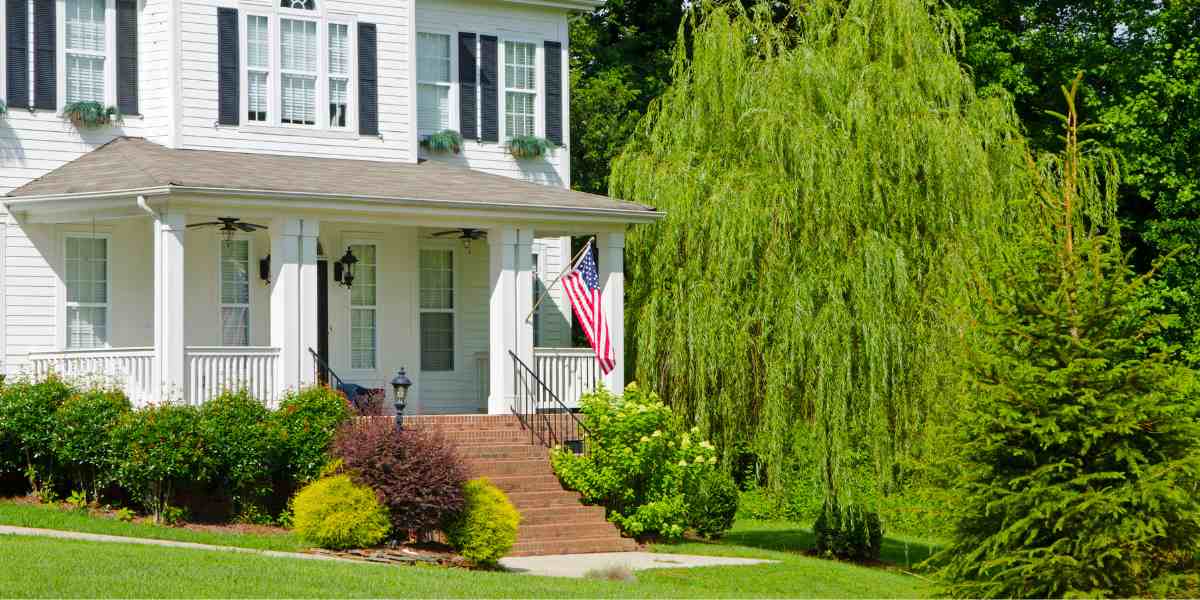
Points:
[[3, 108], [89, 115], [529, 146], [443, 142]]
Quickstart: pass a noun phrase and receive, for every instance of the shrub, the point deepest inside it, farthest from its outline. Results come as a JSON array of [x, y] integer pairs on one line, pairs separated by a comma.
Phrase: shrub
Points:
[[306, 423], [416, 474], [716, 505], [642, 466], [161, 447], [27, 425], [336, 513], [241, 445], [486, 529], [84, 445], [854, 537]]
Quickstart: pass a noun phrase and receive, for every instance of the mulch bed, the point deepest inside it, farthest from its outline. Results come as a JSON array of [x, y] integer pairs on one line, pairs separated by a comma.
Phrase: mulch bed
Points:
[[408, 554]]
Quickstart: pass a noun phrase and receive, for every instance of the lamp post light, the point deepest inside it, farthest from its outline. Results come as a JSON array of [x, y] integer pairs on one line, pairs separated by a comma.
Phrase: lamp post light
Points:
[[400, 385]]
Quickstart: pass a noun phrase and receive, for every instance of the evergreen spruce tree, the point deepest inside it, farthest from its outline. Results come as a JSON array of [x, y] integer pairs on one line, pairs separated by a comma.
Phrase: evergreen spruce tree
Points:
[[1080, 439]]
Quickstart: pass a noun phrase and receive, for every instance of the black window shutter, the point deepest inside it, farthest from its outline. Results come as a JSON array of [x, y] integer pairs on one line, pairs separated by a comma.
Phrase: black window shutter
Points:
[[466, 86], [16, 38], [127, 57], [489, 120], [554, 112], [368, 80], [45, 55], [229, 95]]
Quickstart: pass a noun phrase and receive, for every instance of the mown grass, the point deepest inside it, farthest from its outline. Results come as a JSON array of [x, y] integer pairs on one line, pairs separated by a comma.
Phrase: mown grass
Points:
[[49, 517], [39, 567]]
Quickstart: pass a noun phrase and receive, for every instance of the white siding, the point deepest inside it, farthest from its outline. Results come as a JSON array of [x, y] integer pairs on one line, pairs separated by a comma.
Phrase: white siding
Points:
[[198, 33], [554, 314], [154, 79], [506, 21]]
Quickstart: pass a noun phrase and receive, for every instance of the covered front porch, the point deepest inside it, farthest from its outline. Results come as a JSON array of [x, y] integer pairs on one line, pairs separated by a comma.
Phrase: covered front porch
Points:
[[150, 299]]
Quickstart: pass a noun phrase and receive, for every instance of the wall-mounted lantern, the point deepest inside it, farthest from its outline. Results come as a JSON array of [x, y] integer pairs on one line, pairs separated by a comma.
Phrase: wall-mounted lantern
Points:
[[264, 269], [343, 269]]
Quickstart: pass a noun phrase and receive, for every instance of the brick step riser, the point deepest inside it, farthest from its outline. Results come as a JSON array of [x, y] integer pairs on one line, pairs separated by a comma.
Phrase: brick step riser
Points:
[[489, 438], [525, 450], [594, 529], [580, 546], [560, 515], [502, 468], [536, 500]]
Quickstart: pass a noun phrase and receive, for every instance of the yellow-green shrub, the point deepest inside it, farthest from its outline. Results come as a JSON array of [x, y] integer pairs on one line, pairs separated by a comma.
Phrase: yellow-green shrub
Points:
[[335, 513], [487, 528]]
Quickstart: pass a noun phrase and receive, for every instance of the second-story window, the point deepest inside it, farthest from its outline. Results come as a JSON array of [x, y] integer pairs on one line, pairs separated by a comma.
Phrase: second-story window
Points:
[[433, 83], [520, 89], [84, 47], [339, 74], [258, 67], [298, 71]]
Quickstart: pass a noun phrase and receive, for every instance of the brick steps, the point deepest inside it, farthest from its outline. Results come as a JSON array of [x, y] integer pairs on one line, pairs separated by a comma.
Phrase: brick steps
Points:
[[553, 520]]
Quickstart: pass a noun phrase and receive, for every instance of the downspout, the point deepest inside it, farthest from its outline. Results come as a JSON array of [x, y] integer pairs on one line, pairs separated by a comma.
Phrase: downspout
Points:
[[142, 204]]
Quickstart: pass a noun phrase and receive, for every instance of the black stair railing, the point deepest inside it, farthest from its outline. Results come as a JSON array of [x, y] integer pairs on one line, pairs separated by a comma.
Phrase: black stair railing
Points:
[[325, 374], [540, 410]]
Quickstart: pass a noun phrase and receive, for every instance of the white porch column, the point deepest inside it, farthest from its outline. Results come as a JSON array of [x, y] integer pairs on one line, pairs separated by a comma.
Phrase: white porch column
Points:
[[294, 299], [170, 368], [611, 248], [510, 254]]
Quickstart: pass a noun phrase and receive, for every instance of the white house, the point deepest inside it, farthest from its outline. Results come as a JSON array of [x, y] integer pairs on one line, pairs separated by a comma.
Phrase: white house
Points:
[[295, 126]]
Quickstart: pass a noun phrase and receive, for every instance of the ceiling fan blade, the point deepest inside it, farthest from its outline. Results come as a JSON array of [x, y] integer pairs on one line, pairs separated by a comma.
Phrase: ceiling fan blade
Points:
[[249, 227], [205, 224], [441, 233]]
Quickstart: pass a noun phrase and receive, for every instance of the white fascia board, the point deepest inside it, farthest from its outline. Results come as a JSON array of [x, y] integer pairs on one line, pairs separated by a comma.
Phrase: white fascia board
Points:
[[579, 5]]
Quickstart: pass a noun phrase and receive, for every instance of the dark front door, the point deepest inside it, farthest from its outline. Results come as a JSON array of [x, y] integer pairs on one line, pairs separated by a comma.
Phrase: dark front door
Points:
[[323, 319]]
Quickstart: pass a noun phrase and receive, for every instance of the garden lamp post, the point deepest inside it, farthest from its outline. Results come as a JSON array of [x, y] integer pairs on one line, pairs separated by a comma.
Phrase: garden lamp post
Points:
[[400, 385]]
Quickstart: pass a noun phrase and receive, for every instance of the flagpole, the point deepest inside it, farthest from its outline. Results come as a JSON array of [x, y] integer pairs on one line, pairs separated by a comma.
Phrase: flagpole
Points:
[[570, 265]]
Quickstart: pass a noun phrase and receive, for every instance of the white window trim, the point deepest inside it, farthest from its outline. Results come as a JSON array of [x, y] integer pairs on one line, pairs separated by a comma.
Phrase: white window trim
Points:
[[351, 307], [63, 338], [110, 53], [539, 116], [456, 281], [452, 97], [249, 305], [274, 122]]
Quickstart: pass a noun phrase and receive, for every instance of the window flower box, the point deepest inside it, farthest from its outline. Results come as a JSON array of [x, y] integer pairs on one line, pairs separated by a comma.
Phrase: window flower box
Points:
[[91, 115]]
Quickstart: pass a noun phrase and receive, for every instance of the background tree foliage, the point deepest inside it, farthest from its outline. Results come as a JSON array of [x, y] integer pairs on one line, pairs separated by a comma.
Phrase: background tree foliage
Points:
[[1141, 65], [830, 178]]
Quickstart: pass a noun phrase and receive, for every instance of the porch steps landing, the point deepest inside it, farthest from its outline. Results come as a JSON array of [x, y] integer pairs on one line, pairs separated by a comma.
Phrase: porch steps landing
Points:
[[553, 520]]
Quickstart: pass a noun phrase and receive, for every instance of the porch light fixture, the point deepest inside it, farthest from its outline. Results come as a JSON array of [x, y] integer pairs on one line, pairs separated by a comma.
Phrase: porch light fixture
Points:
[[343, 269], [264, 269], [400, 385]]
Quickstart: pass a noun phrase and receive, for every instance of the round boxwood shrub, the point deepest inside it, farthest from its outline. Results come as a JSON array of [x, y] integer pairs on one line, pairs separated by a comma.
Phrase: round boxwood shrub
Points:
[[715, 505], [84, 445], [161, 448], [854, 537], [241, 445], [486, 529], [416, 474], [306, 423], [27, 426], [336, 513]]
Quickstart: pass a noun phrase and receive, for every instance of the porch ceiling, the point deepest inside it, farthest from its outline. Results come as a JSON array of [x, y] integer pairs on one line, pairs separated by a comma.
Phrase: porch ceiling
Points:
[[127, 167]]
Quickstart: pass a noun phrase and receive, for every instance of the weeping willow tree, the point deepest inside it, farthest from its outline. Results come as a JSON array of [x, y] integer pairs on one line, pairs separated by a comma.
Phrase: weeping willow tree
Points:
[[831, 182]]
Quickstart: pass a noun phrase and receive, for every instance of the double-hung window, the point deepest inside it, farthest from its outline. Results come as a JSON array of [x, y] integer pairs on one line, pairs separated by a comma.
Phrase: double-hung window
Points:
[[339, 74], [437, 310], [84, 47], [258, 67], [433, 83], [235, 293], [363, 308], [298, 71], [520, 89], [86, 280]]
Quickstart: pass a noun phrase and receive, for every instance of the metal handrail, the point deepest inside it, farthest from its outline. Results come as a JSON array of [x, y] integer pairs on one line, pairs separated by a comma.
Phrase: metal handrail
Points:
[[540, 410], [323, 367]]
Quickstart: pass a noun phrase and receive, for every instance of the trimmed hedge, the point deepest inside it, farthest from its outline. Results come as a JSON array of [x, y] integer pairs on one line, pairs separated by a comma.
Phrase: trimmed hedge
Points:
[[27, 426], [336, 513], [486, 529], [307, 421], [84, 445], [162, 447], [242, 445]]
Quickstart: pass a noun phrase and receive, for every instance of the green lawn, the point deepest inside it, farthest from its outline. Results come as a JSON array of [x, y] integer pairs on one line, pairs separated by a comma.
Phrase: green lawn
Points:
[[38, 567], [49, 517]]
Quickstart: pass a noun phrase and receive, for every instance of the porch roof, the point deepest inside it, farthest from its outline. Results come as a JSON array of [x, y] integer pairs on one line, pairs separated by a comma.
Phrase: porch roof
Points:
[[131, 166]]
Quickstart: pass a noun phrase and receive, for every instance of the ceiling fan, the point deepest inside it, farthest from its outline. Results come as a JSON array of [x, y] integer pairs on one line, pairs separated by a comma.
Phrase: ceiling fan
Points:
[[466, 234], [230, 226]]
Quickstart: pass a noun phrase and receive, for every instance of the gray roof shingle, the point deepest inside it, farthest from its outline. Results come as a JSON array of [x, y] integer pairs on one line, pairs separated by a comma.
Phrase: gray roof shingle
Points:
[[129, 163]]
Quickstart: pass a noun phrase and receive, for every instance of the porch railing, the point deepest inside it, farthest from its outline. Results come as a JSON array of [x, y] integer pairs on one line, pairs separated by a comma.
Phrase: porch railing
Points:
[[130, 368], [214, 369], [548, 420], [568, 372]]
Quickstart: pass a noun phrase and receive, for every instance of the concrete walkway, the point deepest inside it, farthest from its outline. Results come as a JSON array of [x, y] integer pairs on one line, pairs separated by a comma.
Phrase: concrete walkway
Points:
[[577, 565]]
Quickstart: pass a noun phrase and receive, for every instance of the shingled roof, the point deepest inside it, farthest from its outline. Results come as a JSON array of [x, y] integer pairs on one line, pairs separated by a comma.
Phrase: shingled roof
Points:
[[129, 163]]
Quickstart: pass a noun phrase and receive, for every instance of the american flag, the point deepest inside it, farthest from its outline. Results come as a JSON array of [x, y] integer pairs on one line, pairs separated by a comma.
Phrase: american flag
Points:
[[583, 290]]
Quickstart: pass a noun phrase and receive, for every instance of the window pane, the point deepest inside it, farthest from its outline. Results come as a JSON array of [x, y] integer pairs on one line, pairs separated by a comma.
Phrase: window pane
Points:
[[362, 292], [85, 78], [299, 99], [519, 115], [87, 326], [339, 49], [235, 326], [85, 25], [433, 57], [258, 48], [520, 66], [235, 272], [437, 341], [298, 45], [86, 267], [433, 108], [256, 95], [437, 279], [362, 338]]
